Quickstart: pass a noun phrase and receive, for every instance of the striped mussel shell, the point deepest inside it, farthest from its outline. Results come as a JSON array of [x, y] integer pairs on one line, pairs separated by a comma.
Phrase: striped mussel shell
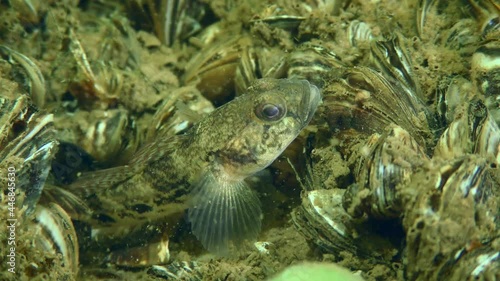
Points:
[[55, 236], [451, 94], [27, 148], [359, 33], [461, 37], [107, 135], [257, 62], [35, 80], [474, 131], [309, 61], [392, 58], [323, 221], [454, 217], [178, 112], [485, 74], [171, 20], [213, 69], [46, 244], [386, 161], [424, 10], [363, 99], [487, 15]]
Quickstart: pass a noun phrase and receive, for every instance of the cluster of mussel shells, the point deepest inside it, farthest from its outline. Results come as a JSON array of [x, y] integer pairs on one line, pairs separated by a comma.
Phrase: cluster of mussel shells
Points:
[[434, 169], [27, 148]]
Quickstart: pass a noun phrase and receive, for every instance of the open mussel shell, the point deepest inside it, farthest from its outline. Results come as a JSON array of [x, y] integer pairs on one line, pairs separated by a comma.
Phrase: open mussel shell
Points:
[[368, 102], [452, 219], [322, 220], [28, 143], [473, 132], [389, 160]]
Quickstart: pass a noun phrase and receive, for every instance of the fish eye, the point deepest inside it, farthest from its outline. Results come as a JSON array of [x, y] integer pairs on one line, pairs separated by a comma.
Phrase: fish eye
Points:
[[270, 111]]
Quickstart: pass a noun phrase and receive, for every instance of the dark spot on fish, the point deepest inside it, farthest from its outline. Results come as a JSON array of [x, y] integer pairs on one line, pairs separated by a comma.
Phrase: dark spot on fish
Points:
[[142, 208], [103, 218], [236, 156]]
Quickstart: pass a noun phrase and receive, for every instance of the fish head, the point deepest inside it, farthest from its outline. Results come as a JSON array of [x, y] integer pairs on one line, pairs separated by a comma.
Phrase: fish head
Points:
[[272, 114]]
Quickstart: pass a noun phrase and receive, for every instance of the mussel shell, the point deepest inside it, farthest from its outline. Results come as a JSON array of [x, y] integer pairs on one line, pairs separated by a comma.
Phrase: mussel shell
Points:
[[426, 7], [109, 136], [286, 22], [57, 235], [461, 37], [313, 63], [473, 131], [35, 79], [145, 255], [359, 33], [213, 69], [452, 92], [177, 270], [322, 220], [390, 161], [178, 112], [455, 206], [368, 102], [485, 74], [393, 59], [30, 137]]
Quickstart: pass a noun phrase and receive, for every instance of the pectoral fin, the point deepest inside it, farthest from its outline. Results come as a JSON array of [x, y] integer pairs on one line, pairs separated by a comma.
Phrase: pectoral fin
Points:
[[223, 213]]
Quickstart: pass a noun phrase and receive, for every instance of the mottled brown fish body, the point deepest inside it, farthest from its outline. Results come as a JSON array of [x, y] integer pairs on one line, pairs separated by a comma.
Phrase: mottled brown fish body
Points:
[[212, 160]]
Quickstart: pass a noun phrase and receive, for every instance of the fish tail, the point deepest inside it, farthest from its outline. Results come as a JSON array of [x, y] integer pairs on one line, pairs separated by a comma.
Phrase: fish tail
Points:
[[223, 213]]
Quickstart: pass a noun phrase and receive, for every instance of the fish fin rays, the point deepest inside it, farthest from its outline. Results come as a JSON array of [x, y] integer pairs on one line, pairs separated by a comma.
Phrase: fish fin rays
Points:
[[223, 214]]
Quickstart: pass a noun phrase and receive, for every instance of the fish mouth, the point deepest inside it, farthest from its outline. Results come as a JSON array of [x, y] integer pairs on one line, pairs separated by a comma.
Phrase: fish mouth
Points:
[[310, 102]]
